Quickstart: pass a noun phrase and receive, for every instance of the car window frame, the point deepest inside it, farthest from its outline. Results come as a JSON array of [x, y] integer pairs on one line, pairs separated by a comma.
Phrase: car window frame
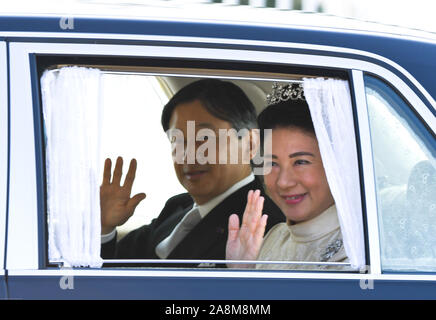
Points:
[[226, 73], [4, 149]]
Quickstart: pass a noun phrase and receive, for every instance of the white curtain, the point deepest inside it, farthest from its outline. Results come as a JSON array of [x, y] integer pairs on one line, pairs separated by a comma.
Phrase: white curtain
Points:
[[330, 107], [71, 110]]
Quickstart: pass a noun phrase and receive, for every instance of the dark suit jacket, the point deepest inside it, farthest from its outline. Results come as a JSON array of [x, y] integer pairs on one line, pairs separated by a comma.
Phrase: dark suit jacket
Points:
[[207, 241]]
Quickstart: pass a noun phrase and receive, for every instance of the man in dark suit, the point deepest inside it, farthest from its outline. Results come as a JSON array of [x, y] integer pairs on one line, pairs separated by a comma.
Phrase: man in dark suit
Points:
[[192, 225]]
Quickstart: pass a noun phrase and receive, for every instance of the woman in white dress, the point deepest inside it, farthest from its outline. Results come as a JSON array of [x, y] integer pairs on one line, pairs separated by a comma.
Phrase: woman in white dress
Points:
[[297, 183]]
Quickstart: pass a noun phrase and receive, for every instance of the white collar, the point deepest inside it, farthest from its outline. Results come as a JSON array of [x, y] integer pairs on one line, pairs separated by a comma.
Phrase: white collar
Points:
[[207, 207]]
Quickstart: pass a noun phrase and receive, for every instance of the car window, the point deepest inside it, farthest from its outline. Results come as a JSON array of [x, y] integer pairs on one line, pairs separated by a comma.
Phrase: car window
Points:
[[127, 124], [404, 161]]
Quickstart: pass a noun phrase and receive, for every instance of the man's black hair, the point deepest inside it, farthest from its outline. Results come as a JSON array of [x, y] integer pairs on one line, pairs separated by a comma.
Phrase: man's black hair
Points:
[[222, 99]]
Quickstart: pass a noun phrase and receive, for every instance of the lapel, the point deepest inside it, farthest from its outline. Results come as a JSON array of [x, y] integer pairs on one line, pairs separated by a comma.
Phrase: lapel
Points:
[[208, 239]]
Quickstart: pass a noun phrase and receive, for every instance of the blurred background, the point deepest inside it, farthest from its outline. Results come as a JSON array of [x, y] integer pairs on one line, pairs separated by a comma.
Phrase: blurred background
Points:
[[124, 135]]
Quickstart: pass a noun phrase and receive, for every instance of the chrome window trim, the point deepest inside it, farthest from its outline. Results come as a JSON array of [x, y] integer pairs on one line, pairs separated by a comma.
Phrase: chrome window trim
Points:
[[22, 128], [3, 149], [246, 55]]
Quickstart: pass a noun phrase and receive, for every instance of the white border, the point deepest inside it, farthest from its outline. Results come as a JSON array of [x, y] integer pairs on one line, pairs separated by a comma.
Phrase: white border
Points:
[[23, 222]]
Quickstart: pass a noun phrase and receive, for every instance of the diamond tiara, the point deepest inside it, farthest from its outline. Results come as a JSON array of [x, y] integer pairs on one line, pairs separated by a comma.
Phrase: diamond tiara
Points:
[[293, 91]]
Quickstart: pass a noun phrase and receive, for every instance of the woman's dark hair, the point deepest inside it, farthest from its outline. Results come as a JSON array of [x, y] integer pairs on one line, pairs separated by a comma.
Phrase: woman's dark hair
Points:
[[222, 99], [286, 114]]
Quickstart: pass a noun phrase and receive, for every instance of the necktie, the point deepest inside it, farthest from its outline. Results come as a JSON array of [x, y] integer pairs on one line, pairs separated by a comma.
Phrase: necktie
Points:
[[188, 223]]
